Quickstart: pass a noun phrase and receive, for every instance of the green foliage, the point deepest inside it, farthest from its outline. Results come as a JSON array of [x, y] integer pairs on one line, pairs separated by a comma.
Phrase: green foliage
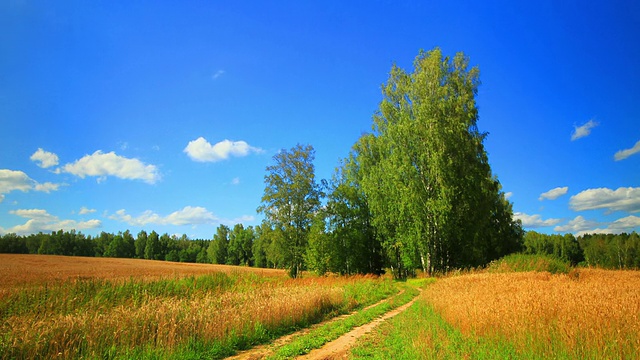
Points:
[[291, 198], [320, 251], [527, 262], [353, 245], [609, 251], [564, 247], [426, 175]]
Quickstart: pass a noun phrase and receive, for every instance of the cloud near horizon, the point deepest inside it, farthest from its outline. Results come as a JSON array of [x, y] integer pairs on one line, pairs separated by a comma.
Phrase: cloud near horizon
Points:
[[624, 224], [623, 154], [534, 221], [583, 131], [101, 164], [621, 199], [189, 215], [40, 220], [202, 151], [554, 193]]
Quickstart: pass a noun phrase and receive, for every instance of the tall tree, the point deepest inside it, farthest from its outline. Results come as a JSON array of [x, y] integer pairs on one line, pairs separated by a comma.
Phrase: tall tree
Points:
[[291, 198], [219, 245], [354, 248], [425, 172]]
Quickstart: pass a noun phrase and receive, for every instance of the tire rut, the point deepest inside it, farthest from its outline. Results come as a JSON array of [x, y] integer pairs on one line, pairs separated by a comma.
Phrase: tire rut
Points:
[[262, 351], [339, 348]]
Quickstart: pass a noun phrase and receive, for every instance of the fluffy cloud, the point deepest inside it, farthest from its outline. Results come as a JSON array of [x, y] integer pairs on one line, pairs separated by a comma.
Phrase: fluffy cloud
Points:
[[553, 193], [101, 165], [41, 221], [621, 199], [44, 159], [201, 150], [576, 225], [534, 221], [84, 210], [584, 130], [189, 215], [626, 224], [623, 154], [12, 180], [47, 187]]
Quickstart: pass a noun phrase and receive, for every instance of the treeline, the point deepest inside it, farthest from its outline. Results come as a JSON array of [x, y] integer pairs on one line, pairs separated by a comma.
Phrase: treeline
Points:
[[145, 245], [609, 251]]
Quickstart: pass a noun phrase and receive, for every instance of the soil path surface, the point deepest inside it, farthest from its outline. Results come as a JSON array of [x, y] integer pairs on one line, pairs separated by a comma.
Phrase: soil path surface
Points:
[[263, 351], [339, 348]]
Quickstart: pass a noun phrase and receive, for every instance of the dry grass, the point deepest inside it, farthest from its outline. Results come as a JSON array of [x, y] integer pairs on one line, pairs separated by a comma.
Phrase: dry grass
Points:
[[19, 270], [67, 307], [583, 314]]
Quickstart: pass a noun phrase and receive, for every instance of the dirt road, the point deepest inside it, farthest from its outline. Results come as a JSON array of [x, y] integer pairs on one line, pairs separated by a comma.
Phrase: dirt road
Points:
[[336, 349], [339, 348]]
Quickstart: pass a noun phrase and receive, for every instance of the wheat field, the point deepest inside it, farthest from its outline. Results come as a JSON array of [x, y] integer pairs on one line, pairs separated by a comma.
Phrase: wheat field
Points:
[[588, 313], [97, 308]]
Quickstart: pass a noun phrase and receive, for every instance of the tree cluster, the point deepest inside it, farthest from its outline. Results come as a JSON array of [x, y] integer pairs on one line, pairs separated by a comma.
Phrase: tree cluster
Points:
[[608, 251], [417, 192]]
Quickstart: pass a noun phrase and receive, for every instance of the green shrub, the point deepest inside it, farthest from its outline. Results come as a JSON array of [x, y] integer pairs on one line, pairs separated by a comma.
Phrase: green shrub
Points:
[[525, 262]]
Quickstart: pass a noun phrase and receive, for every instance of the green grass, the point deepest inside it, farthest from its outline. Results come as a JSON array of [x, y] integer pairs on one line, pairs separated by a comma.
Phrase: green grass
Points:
[[420, 333], [525, 262], [319, 336]]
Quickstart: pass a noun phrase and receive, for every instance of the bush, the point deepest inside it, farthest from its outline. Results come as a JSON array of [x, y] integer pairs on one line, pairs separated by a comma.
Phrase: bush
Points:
[[525, 262]]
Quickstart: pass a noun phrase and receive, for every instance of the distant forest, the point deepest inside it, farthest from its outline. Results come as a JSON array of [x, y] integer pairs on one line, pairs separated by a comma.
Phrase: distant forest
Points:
[[249, 246]]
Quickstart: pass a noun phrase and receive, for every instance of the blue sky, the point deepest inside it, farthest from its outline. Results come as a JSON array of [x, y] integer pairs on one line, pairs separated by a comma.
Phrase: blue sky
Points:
[[163, 115]]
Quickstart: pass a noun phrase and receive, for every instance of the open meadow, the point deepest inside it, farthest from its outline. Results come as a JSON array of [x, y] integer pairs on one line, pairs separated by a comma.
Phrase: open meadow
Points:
[[585, 314], [68, 307]]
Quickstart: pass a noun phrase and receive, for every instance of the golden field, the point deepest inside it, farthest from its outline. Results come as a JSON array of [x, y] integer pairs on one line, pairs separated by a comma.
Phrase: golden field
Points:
[[68, 307], [586, 313], [17, 270]]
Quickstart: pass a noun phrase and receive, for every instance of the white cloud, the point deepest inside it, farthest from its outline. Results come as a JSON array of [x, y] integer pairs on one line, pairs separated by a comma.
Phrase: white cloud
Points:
[[584, 130], [625, 224], [84, 210], [41, 221], [621, 199], [201, 150], [218, 74], [576, 225], [12, 180], [187, 216], [101, 165], [553, 193], [235, 181], [534, 221], [623, 154], [44, 159], [47, 187], [508, 195]]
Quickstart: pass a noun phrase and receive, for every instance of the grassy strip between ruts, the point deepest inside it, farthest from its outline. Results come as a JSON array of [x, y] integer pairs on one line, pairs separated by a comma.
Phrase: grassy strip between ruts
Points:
[[316, 338], [420, 333]]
